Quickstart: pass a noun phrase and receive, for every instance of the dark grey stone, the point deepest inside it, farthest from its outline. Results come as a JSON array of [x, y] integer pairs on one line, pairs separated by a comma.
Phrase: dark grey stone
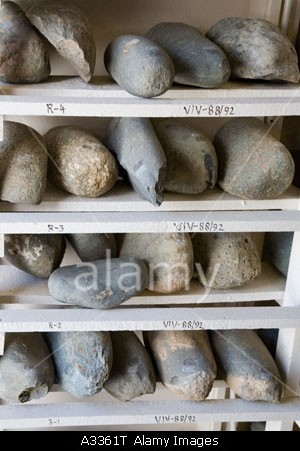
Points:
[[83, 360], [139, 151], [132, 373], [26, 368], [93, 246], [169, 257], [270, 338], [227, 260], [252, 163], [192, 164], [277, 249], [23, 54], [102, 284], [38, 255], [184, 361], [256, 49], [68, 30], [79, 163], [246, 365], [197, 60], [139, 65], [23, 164]]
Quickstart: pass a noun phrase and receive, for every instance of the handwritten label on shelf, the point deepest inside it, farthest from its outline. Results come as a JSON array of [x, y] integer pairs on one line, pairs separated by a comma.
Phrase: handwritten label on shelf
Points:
[[55, 326], [209, 110], [202, 226], [190, 325], [56, 228], [163, 419], [53, 422], [55, 109]]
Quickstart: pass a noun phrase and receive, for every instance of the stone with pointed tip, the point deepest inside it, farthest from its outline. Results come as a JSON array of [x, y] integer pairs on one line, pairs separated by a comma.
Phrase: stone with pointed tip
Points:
[[140, 153]]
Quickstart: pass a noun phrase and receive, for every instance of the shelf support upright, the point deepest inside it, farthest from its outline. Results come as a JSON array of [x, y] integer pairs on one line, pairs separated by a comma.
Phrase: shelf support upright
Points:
[[2, 340], [288, 345], [1, 120]]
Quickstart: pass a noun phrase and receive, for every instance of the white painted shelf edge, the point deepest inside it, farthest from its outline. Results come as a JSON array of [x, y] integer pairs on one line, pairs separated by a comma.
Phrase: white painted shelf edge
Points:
[[193, 318], [69, 96], [145, 412], [160, 222]]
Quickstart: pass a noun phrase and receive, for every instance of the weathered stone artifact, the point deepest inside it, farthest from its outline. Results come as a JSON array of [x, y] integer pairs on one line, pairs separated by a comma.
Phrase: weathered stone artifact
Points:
[[140, 153], [79, 163], [169, 257], [246, 365], [184, 361], [23, 54], [26, 368], [277, 249], [93, 246], [256, 49], [252, 163], [197, 60], [226, 260], [83, 360], [132, 373], [102, 284], [38, 255], [23, 164], [68, 30], [192, 164], [139, 65]]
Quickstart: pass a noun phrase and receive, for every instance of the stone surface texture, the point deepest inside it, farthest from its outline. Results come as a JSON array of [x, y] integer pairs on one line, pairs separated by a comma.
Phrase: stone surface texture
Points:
[[197, 60], [132, 374], [140, 153], [256, 49], [192, 164], [38, 255], [102, 284], [277, 249], [184, 361], [252, 163], [246, 365], [79, 163], [23, 54], [26, 368], [93, 246], [23, 164], [83, 360], [68, 30], [227, 260], [168, 256], [139, 66]]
